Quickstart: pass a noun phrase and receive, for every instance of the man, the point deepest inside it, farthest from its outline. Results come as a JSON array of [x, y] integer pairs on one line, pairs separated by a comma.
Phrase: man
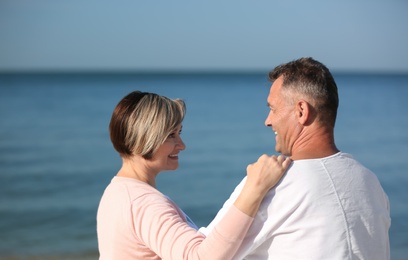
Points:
[[327, 206]]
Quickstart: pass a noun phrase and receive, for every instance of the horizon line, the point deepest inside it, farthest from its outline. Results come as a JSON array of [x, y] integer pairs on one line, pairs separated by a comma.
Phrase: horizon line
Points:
[[190, 71]]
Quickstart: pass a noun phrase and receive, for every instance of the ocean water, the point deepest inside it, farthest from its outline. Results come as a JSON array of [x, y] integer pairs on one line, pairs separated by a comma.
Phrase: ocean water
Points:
[[56, 157]]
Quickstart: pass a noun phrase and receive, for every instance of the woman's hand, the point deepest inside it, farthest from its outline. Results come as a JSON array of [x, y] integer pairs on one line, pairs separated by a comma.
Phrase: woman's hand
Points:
[[261, 177], [267, 171]]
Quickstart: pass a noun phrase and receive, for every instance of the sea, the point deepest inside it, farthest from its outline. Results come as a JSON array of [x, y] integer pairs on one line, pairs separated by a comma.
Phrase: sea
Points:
[[56, 157]]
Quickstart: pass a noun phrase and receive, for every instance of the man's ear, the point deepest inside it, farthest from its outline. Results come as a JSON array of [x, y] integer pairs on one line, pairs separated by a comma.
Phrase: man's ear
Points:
[[303, 112]]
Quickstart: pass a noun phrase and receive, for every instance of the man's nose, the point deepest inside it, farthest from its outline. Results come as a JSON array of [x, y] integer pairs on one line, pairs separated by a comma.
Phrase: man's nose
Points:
[[268, 121]]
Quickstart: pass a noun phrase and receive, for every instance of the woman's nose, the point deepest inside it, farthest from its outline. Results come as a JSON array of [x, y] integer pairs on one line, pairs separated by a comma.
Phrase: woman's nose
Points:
[[181, 144]]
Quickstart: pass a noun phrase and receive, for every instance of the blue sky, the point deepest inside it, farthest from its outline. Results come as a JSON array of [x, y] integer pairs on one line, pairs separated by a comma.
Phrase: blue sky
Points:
[[231, 35]]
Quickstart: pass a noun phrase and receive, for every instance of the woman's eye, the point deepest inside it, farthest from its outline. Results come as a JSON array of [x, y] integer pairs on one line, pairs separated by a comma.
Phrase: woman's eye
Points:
[[173, 135]]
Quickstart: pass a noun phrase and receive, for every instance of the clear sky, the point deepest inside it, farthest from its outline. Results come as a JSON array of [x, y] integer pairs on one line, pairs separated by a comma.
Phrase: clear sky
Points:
[[210, 35]]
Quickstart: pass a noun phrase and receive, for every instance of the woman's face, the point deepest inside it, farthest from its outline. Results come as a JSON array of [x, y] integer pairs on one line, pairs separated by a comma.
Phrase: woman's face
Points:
[[166, 157]]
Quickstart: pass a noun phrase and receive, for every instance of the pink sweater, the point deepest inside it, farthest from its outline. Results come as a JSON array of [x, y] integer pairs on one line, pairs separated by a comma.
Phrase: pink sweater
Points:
[[136, 221]]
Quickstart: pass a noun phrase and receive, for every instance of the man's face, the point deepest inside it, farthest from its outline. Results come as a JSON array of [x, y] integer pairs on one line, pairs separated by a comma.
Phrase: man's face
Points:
[[281, 118]]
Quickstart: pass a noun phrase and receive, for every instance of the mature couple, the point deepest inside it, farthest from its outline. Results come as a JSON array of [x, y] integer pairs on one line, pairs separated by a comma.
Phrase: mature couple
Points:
[[326, 205]]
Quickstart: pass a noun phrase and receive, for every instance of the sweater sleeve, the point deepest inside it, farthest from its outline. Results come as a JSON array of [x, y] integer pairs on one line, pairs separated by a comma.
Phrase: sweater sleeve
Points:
[[160, 227], [227, 205]]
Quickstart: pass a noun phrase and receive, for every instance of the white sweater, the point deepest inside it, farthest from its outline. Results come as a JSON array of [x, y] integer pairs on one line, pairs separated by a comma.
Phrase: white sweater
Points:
[[328, 208]]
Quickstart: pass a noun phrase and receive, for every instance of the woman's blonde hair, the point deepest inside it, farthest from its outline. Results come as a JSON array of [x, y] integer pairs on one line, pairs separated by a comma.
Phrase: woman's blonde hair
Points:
[[142, 121]]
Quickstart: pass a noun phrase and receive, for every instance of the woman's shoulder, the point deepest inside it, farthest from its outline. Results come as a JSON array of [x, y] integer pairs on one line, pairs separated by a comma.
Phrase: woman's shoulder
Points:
[[133, 189]]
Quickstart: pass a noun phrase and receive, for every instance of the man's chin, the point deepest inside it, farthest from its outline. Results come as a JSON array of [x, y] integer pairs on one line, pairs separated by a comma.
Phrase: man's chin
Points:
[[279, 150]]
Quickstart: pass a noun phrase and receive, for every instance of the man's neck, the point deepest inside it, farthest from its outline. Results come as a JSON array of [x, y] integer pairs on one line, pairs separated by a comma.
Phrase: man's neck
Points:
[[318, 144]]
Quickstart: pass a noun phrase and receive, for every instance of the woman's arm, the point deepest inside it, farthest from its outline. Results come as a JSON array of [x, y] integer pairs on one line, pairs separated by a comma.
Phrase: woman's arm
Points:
[[162, 229]]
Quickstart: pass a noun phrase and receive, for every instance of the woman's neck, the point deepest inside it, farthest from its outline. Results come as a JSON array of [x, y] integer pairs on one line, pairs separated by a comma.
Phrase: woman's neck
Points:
[[137, 168]]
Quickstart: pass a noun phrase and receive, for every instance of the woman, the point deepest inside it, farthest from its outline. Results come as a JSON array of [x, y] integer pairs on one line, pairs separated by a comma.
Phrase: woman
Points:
[[135, 220]]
